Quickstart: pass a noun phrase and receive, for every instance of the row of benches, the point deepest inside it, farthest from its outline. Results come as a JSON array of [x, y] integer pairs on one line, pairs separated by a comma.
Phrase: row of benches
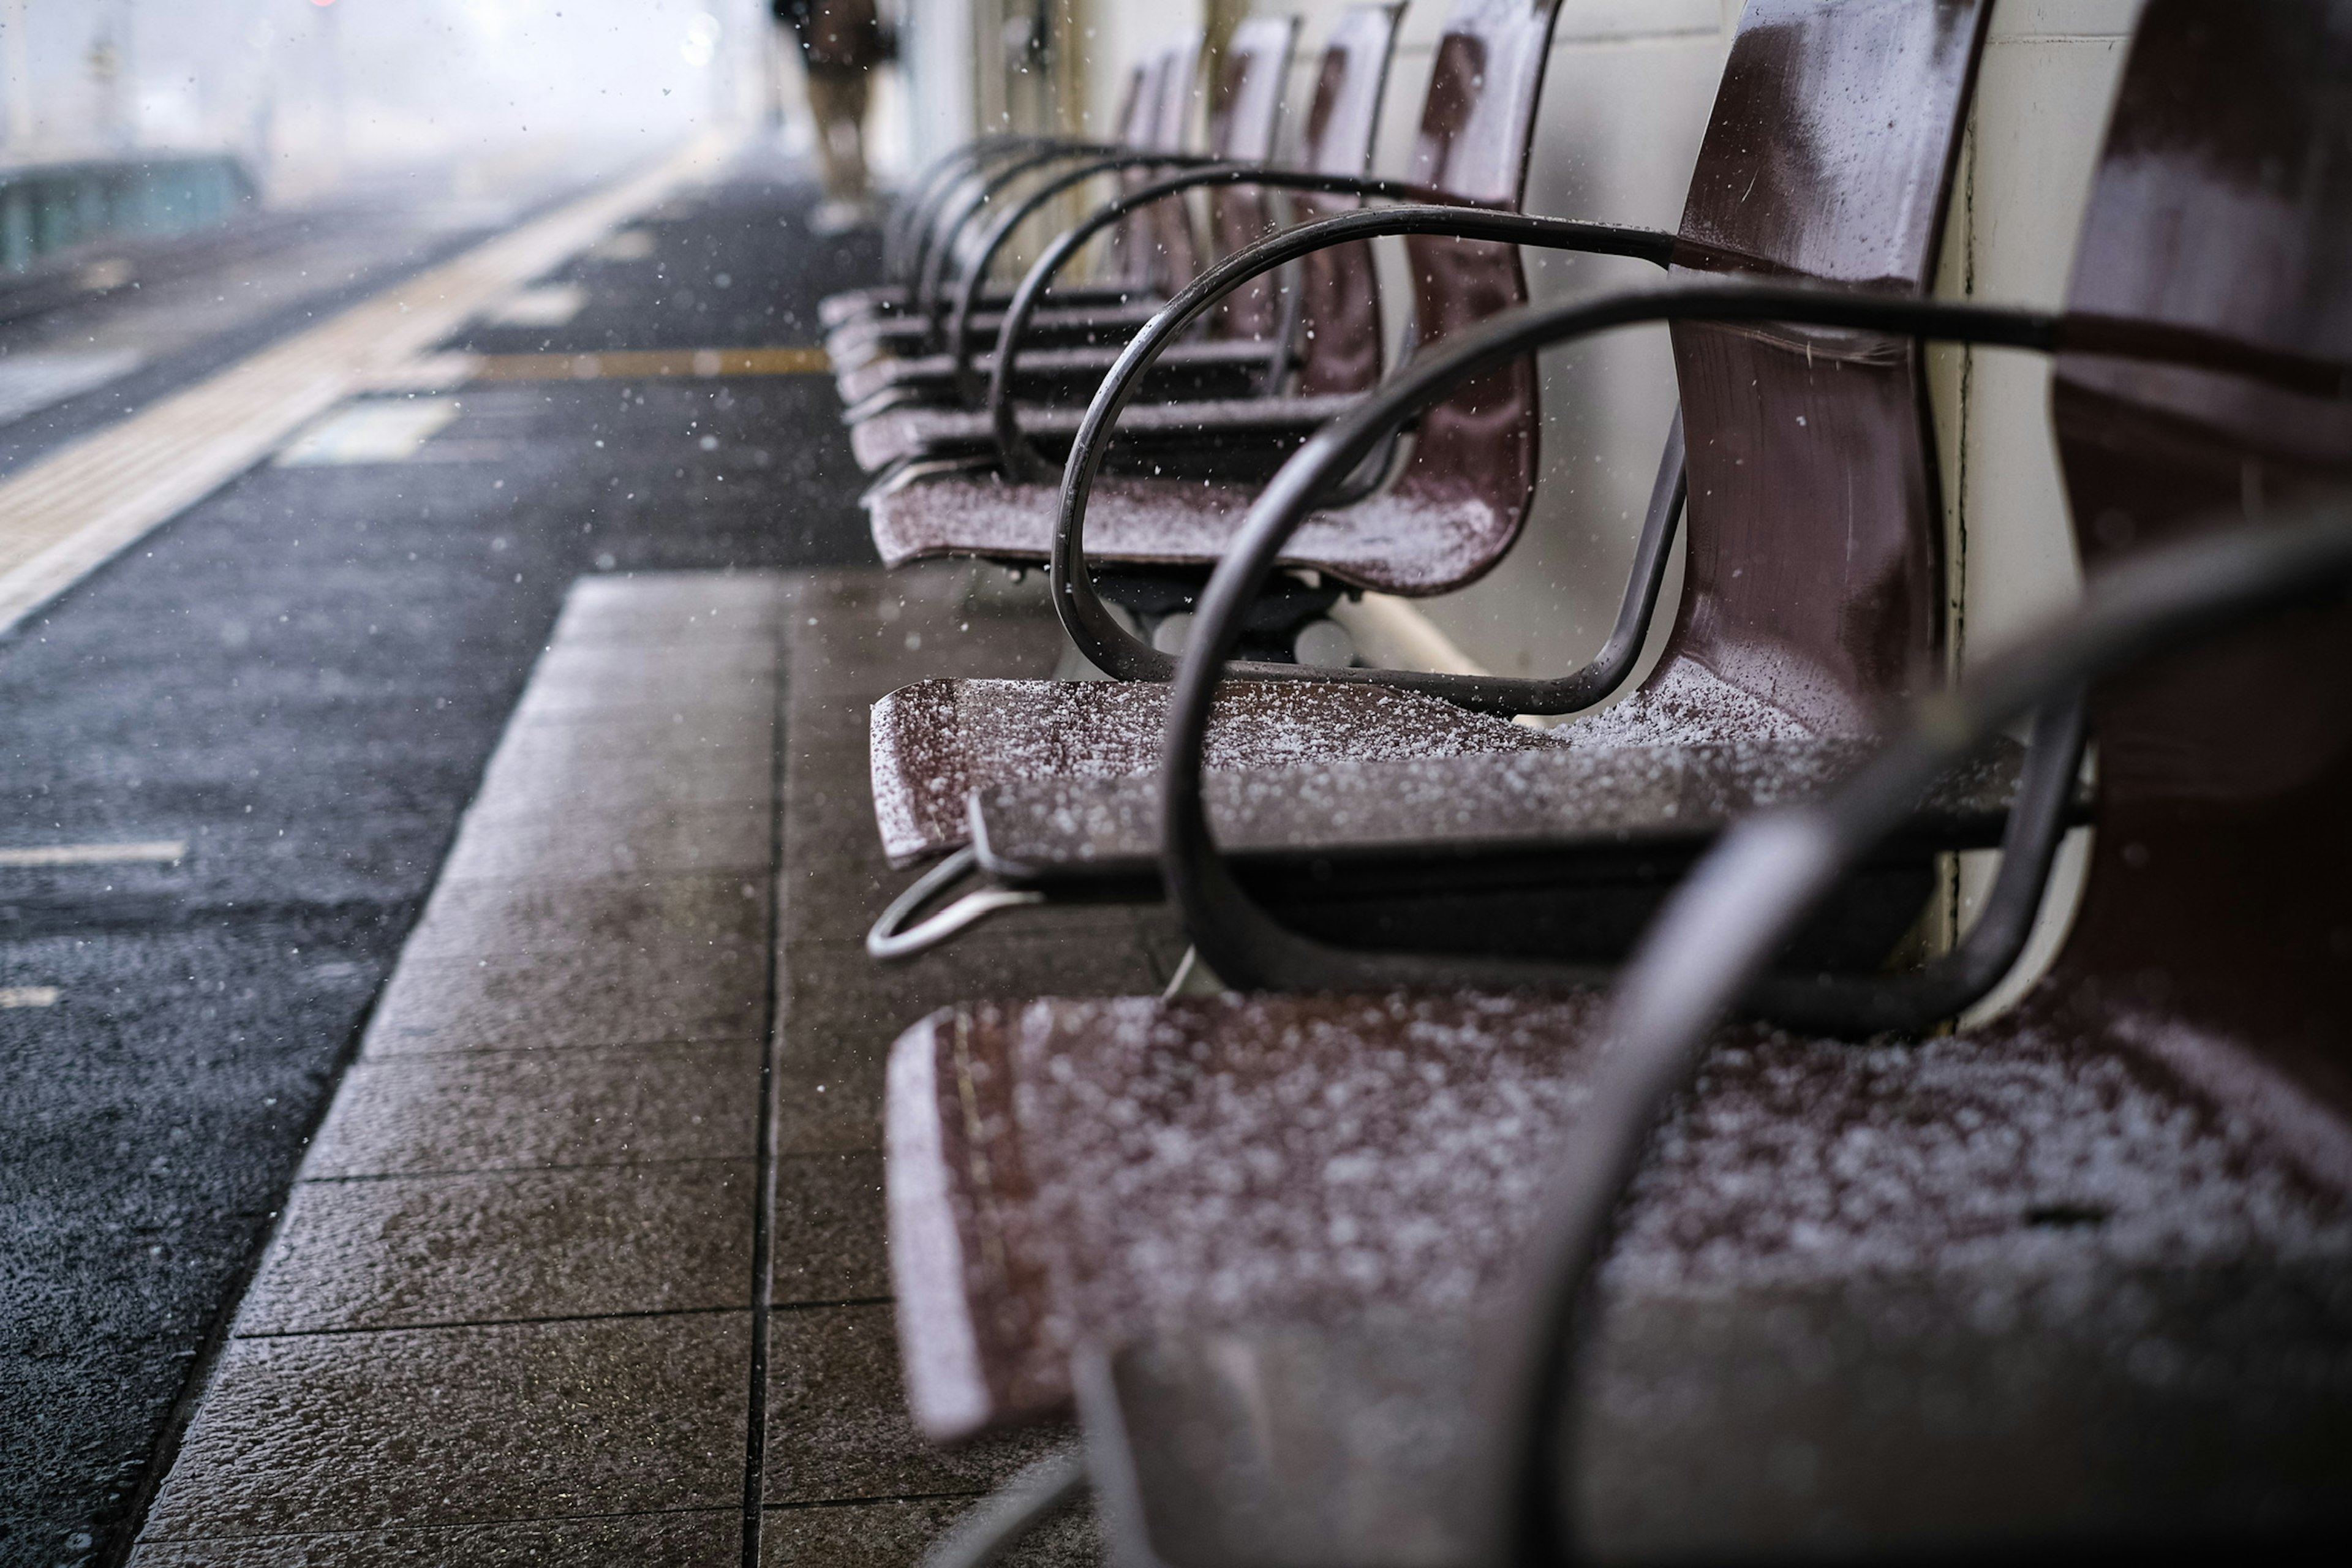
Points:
[[1377, 1256]]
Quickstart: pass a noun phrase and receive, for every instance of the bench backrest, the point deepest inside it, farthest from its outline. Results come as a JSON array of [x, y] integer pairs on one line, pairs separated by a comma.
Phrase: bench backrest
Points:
[[2216, 908], [1478, 126], [1130, 261], [1245, 111], [1815, 575], [1175, 258], [1340, 289]]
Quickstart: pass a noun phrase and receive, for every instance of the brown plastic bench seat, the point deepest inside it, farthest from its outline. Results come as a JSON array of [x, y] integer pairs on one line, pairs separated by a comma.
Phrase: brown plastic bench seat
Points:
[[1251, 341], [1405, 544], [1228, 1160], [2147, 1162], [1813, 594], [1221, 367], [1067, 830], [1475, 129], [926, 736], [1251, 434]]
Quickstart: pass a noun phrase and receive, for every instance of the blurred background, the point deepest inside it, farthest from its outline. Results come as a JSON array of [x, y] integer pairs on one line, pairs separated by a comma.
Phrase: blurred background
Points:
[[299, 101]]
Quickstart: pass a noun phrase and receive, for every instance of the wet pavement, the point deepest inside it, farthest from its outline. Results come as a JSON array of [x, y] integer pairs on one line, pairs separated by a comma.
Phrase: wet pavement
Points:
[[301, 680], [592, 1237]]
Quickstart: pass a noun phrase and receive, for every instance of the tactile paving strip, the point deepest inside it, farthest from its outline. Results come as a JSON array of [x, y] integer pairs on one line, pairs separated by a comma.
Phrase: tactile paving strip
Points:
[[67, 515]]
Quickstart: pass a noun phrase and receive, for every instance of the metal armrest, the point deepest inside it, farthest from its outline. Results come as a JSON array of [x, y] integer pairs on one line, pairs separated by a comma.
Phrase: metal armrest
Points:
[[2038, 820], [1724, 924], [939, 176], [1070, 241], [974, 268], [1091, 625], [1237, 936], [946, 223]]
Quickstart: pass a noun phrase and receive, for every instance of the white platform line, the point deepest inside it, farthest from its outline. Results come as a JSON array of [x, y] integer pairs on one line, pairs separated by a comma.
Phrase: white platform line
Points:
[[165, 849], [72, 511]]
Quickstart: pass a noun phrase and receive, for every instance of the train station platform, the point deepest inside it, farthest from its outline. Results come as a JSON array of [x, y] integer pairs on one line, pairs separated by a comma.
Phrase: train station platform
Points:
[[587, 1258], [443, 1062]]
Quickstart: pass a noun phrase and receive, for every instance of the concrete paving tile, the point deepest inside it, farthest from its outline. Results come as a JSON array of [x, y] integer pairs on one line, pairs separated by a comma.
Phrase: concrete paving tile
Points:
[[506, 1247], [852, 634], [699, 700], [841, 1011], [673, 728], [665, 727], [712, 1539], [467, 1426], [744, 715], [837, 1422], [830, 1102], [624, 783], [834, 879], [675, 916], [418, 1115], [649, 841], [857, 1535], [564, 676], [711, 608], [584, 773], [555, 1000], [826, 737], [830, 1237], [833, 987], [893, 1534]]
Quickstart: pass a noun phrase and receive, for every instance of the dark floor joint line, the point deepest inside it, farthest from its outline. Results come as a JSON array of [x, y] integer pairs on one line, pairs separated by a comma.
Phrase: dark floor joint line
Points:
[[763, 1231]]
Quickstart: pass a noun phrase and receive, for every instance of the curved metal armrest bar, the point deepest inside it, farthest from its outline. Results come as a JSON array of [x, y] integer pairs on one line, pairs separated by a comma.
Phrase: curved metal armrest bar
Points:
[[886, 942], [1724, 924], [974, 273], [968, 179], [944, 240], [935, 177], [1021, 459], [963, 198], [1089, 621], [1008, 1515], [1237, 938], [1909, 1003]]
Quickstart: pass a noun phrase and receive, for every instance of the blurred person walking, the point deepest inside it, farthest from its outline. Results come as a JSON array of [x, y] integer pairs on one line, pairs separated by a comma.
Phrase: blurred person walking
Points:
[[841, 43]]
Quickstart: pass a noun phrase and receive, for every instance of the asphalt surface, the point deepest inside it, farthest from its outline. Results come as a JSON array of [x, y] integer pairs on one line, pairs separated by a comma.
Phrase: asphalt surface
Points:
[[302, 678]]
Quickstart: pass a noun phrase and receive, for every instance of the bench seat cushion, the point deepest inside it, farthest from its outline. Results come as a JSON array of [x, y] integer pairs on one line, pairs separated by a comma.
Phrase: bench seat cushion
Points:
[[1063, 1173], [935, 374], [886, 299], [936, 741], [1276, 424], [855, 342], [1391, 543]]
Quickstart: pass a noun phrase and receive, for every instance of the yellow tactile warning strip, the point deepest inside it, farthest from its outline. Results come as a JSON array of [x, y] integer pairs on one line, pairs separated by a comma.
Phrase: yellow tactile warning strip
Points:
[[642, 364], [63, 516]]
